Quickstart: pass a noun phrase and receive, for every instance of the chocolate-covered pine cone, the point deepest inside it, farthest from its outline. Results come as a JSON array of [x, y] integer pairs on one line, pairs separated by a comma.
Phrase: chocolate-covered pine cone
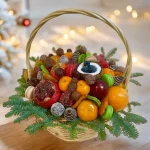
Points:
[[33, 81], [90, 79], [70, 114], [75, 55], [118, 80]]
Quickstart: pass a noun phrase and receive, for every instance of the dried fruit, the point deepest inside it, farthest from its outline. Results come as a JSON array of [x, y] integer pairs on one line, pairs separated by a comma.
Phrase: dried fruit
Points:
[[75, 55], [65, 99], [32, 81], [90, 79], [60, 52], [70, 114], [111, 62], [59, 72], [113, 67], [75, 95], [43, 58], [72, 86], [57, 109]]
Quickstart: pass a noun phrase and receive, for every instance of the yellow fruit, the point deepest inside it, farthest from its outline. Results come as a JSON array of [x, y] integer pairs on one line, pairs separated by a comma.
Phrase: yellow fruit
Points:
[[117, 98], [64, 83], [87, 110], [108, 71], [82, 87]]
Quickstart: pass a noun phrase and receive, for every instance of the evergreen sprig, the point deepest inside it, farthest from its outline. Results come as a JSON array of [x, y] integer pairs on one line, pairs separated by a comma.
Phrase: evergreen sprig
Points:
[[135, 82], [34, 58], [22, 86], [133, 103], [134, 75]]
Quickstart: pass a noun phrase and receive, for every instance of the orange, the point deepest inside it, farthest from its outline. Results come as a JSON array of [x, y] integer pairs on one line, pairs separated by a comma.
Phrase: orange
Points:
[[117, 98], [108, 71], [87, 110], [68, 55], [82, 87], [103, 106], [64, 83], [63, 66]]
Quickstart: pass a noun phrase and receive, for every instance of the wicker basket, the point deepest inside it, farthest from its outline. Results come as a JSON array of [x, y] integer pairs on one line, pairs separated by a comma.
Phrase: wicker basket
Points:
[[58, 131]]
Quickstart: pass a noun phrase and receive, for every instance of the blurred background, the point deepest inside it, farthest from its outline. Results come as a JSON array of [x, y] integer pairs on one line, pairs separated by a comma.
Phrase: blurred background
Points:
[[19, 17]]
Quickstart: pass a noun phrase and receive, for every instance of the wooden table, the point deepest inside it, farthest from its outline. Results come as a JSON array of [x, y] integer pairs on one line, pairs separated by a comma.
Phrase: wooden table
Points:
[[13, 137]]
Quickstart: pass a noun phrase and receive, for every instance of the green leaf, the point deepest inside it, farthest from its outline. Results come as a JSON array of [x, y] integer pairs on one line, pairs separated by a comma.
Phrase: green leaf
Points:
[[34, 58], [136, 74], [137, 119], [135, 82], [54, 49], [111, 53], [102, 50]]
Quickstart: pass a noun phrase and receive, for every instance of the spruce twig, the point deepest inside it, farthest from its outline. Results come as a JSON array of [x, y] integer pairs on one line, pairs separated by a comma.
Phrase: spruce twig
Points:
[[135, 82], [102, 51], [136, 74], [110, 53], [34, 58]]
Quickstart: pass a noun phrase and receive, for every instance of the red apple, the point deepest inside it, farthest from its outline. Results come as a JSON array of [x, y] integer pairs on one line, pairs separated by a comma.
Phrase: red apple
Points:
[[99, 89]]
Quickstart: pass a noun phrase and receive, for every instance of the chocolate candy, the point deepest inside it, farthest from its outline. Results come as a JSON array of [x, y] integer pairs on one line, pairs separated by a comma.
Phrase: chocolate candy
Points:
[[29, 92], [118, 80], [70, 114], [57, 109]]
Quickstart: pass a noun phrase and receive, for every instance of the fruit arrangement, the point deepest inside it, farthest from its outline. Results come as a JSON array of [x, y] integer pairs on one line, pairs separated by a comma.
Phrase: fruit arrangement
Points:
[[79, 88]]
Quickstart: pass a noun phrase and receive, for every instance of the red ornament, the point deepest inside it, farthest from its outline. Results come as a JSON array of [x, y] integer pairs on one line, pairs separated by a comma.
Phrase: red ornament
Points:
[[26, 22]]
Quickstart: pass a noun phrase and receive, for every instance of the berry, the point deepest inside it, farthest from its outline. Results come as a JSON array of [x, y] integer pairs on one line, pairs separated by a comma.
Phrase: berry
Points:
[[85, 69], [86, 63], [90, 69], [60, 52]]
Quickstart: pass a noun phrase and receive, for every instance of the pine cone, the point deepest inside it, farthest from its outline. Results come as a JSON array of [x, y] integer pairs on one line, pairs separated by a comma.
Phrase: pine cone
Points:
[[75, 55], [118, 80], [70, 114], [57, 109], [32, 81], [113, 67], [59, 72], [60, 52], [90, 79], [65, 99], [40, 75]]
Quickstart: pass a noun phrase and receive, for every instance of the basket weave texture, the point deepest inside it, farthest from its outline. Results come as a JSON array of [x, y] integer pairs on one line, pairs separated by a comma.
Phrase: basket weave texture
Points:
[[89, 133]]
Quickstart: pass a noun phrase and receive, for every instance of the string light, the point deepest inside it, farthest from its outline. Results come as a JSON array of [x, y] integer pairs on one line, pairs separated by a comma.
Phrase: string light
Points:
[[90, 29], [129, 8], [43, 43], [66, 36], [13, 39], [11, 12], [117, 12], [134, 59], [147, 15], [112, 17], [134, 14], [72, 32], [1, 22]]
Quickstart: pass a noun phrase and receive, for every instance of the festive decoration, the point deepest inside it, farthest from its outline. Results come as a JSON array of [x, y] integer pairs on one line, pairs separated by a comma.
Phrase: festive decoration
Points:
[[88, 104]]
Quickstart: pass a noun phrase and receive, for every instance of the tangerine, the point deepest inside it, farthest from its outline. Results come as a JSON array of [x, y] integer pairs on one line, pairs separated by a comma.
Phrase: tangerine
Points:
[[64, 83], [108, 71], [87, 110], [117, 98]]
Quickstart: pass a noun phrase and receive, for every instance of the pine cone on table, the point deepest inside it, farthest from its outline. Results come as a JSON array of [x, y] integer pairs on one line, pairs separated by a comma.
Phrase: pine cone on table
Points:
[[70, 114]]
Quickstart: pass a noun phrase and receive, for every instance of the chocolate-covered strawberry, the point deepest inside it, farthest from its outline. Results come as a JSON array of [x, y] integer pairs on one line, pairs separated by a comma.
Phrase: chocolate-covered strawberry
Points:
[[70, 68], [46, 93]]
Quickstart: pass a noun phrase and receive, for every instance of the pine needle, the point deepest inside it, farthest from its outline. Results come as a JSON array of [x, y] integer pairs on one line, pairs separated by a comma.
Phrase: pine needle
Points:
[[135, 82], [111, 53], [133, 103], [102, 51], [54, 49], [34, 58], [136, 74], [113, 59]]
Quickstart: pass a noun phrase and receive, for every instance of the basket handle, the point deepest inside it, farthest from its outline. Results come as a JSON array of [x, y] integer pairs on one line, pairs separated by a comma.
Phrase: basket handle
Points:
[[86, 13]]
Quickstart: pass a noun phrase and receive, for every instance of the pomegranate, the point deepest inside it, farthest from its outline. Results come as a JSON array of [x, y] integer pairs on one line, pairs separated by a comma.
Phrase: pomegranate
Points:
[[46, 93]]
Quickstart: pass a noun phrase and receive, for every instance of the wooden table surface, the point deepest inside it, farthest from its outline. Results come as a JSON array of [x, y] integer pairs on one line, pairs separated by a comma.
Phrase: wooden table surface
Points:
[[13, 137]]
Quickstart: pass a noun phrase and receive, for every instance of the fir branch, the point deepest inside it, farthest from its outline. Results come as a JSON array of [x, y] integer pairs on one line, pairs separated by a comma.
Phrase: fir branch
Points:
[[111, 53], [135, 82], [113, 59], [22, 86], [34, 58], [127, 128], [133, 103], [134, 118], [136, 74], [102, 51]]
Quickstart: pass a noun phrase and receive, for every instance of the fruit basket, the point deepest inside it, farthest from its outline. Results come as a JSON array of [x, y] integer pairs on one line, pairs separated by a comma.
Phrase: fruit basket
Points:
[[77, 95]]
